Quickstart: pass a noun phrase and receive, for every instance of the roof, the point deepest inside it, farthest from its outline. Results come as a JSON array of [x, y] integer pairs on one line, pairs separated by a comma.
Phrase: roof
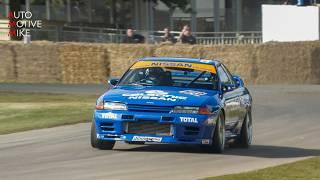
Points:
[[176, 59]]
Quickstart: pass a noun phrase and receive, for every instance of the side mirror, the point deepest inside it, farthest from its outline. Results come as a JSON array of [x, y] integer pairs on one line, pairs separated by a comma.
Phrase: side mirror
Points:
[[113, 82], [237, 79]]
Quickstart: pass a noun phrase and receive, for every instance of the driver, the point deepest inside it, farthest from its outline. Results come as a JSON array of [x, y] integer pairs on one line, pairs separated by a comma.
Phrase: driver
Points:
[[155, 75]]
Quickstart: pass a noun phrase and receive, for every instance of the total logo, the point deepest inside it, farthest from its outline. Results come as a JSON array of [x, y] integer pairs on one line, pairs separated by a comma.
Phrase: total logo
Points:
[[108, 115], [188, 120]]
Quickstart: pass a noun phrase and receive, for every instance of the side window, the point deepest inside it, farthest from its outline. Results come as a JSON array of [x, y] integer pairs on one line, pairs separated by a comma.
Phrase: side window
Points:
[[228, 73], [224, 77]]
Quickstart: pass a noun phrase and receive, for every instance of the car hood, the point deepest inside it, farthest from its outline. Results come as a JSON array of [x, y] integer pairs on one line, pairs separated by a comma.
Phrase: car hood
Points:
[[161, 96]]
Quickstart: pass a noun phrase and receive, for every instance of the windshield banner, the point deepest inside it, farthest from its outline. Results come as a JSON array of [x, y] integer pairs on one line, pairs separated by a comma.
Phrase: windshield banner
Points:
[[195, 66]]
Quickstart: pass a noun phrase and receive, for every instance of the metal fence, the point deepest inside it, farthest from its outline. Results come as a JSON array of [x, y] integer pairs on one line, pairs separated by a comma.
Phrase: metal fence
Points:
[[109, 35]]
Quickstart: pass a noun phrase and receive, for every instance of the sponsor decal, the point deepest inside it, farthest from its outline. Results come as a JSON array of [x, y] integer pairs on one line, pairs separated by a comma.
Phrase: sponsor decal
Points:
[[172, 64], [196, 66], [205, 141], [193, 93], [245, 101], [108, 115], [188, 120], [147, 139], [155, 95]]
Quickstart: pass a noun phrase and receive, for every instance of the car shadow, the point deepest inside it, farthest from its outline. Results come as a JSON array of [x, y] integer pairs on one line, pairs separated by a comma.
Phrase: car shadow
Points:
[[268, 151], [262, 151]]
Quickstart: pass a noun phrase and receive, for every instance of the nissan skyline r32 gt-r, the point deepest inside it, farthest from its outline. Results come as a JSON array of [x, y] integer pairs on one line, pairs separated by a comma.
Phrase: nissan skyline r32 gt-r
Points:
[[174, 100]]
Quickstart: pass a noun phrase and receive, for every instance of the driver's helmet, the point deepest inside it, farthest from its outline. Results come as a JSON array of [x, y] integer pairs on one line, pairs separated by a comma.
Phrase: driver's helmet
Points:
[[154, 74]]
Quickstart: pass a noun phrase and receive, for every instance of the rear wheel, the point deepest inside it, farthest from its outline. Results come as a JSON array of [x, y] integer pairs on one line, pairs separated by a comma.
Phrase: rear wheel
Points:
[[246, 131], [97, 143]]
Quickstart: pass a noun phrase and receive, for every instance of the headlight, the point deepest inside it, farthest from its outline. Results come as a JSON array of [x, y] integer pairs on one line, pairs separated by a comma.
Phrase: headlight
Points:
[[114, 106], [185, 109], [191, 110], [111, 106]]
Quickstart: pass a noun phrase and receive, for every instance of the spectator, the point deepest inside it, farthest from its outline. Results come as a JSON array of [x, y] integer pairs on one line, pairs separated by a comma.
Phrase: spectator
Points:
[[131, 37], [185, 27], [168, 37], [186, 36]]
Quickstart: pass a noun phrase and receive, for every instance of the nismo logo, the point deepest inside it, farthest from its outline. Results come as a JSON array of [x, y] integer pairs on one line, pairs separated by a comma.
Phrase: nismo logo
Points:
[[171, 64]]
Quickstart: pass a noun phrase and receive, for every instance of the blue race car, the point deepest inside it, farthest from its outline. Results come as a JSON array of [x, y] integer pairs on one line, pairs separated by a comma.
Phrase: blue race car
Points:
[[174, 100]]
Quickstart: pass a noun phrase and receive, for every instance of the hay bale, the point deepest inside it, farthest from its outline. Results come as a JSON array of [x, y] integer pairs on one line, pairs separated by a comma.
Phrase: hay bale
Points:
[[270, 63], [239, 59], [7, 63], [179, 50], [124, 55], [83, 63], [315, 62], [288, 63], [37, 62]]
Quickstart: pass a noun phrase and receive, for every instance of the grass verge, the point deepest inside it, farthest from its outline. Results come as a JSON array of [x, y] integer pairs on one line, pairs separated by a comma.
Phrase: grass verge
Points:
[[305, 169], [26, 111]]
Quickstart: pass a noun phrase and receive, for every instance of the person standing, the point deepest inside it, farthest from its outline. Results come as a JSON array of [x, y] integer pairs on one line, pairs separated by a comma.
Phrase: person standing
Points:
[[186, 36], [168, 37], [131, 37]]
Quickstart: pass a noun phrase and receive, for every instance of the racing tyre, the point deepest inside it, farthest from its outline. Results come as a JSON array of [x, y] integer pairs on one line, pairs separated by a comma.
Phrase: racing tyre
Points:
[[218, 140], [246, 131], [97, 143], [219, 137]]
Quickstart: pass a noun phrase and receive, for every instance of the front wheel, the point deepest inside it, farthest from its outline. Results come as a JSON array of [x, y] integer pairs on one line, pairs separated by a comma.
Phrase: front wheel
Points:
[[97, 143], [246, 131], [218, 140]]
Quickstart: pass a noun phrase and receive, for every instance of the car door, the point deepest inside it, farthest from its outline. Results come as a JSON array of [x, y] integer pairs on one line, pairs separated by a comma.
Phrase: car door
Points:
[[242, 98], [230, 97]]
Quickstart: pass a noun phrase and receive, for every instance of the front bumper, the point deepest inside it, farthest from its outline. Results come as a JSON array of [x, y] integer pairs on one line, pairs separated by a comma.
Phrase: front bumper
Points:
[[175, 128]]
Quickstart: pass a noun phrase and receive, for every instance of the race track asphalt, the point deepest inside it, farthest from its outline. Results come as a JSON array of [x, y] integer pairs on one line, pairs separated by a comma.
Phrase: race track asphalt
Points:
[[286, 129]]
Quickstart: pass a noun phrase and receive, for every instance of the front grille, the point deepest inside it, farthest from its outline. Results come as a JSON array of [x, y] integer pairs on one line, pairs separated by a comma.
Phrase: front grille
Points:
[[191, 130], [149, 108], [148, 127]]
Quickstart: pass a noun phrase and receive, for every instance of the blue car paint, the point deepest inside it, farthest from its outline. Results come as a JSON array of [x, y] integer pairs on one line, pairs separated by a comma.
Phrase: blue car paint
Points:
[[112, 127], [117, 126]]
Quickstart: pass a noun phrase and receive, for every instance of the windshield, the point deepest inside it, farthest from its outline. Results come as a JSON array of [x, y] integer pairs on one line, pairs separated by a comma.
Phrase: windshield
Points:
[[170, 76]]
